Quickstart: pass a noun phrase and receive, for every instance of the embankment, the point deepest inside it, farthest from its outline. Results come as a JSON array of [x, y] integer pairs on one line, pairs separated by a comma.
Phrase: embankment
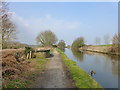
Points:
[[81, 78], [102, 49]]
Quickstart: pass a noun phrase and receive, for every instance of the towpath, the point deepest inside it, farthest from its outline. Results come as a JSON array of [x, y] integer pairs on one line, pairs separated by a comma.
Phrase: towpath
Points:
[[55, 74]]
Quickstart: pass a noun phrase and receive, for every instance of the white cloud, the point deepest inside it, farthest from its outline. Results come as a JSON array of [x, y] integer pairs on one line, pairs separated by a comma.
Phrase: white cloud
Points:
[[28, 29]]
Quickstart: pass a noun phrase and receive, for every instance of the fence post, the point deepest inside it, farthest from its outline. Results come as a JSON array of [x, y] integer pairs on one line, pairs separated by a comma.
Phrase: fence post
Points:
[[30, 54]]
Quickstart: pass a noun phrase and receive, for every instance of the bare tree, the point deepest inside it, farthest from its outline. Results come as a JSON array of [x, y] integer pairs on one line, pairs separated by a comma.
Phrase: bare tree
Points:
[[97, 40], [61, 45], [46, 38], [106, 39], [116, 39], [7, 27]]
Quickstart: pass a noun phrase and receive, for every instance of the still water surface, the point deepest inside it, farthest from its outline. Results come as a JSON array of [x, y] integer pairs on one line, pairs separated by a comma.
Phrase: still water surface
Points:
[[106, 66]]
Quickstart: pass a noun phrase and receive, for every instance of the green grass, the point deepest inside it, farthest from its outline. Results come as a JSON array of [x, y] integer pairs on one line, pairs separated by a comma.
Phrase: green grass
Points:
[[51, 51], [17, 83], [81, 78], [39, 65], [39, 55], [104, 45]]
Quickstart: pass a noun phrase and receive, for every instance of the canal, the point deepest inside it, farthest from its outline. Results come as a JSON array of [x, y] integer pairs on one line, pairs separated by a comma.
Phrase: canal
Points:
[[106, 66]]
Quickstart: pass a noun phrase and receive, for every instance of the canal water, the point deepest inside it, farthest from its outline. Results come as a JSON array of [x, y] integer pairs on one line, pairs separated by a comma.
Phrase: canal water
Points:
[[106, 66]]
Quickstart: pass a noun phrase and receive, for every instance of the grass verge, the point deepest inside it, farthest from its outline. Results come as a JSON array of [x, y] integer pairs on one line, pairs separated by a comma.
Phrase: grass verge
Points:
[[81, 78], [27, 78], [104, 45]]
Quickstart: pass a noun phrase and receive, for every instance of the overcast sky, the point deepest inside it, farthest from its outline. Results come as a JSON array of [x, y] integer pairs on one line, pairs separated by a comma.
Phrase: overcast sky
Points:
[[67, 20]]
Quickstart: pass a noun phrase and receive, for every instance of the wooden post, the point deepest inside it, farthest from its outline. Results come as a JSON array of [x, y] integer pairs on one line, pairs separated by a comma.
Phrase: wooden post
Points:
[[30, 54]]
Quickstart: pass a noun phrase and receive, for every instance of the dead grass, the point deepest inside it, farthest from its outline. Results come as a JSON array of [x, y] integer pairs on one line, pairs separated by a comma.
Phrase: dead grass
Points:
[[20, 74]]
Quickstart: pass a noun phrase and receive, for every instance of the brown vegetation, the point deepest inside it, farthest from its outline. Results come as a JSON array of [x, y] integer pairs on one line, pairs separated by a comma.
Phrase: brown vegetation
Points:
[[11, 67]]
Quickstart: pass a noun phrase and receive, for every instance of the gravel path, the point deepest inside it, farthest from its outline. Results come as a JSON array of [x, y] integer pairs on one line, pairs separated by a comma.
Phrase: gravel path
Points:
[[55, 74]]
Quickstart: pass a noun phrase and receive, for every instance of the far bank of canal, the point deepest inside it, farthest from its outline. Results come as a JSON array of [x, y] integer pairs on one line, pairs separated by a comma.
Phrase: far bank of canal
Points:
[[106, 66]]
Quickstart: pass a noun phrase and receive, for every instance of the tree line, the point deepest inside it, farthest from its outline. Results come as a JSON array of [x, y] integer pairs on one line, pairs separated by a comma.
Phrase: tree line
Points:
[[80, 41], [107, 40]]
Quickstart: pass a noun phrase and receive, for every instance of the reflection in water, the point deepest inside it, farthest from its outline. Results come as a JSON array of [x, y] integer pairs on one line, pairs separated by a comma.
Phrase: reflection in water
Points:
[[112, 57], [115, 68], [110, 60], [97, 60], [114, 61], [78, 54], [106, 66]]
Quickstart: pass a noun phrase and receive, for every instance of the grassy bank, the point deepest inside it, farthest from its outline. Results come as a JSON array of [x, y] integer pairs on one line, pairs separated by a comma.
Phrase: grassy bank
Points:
[[104, 45], [81, 78], [105, 49], [27, 78]]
